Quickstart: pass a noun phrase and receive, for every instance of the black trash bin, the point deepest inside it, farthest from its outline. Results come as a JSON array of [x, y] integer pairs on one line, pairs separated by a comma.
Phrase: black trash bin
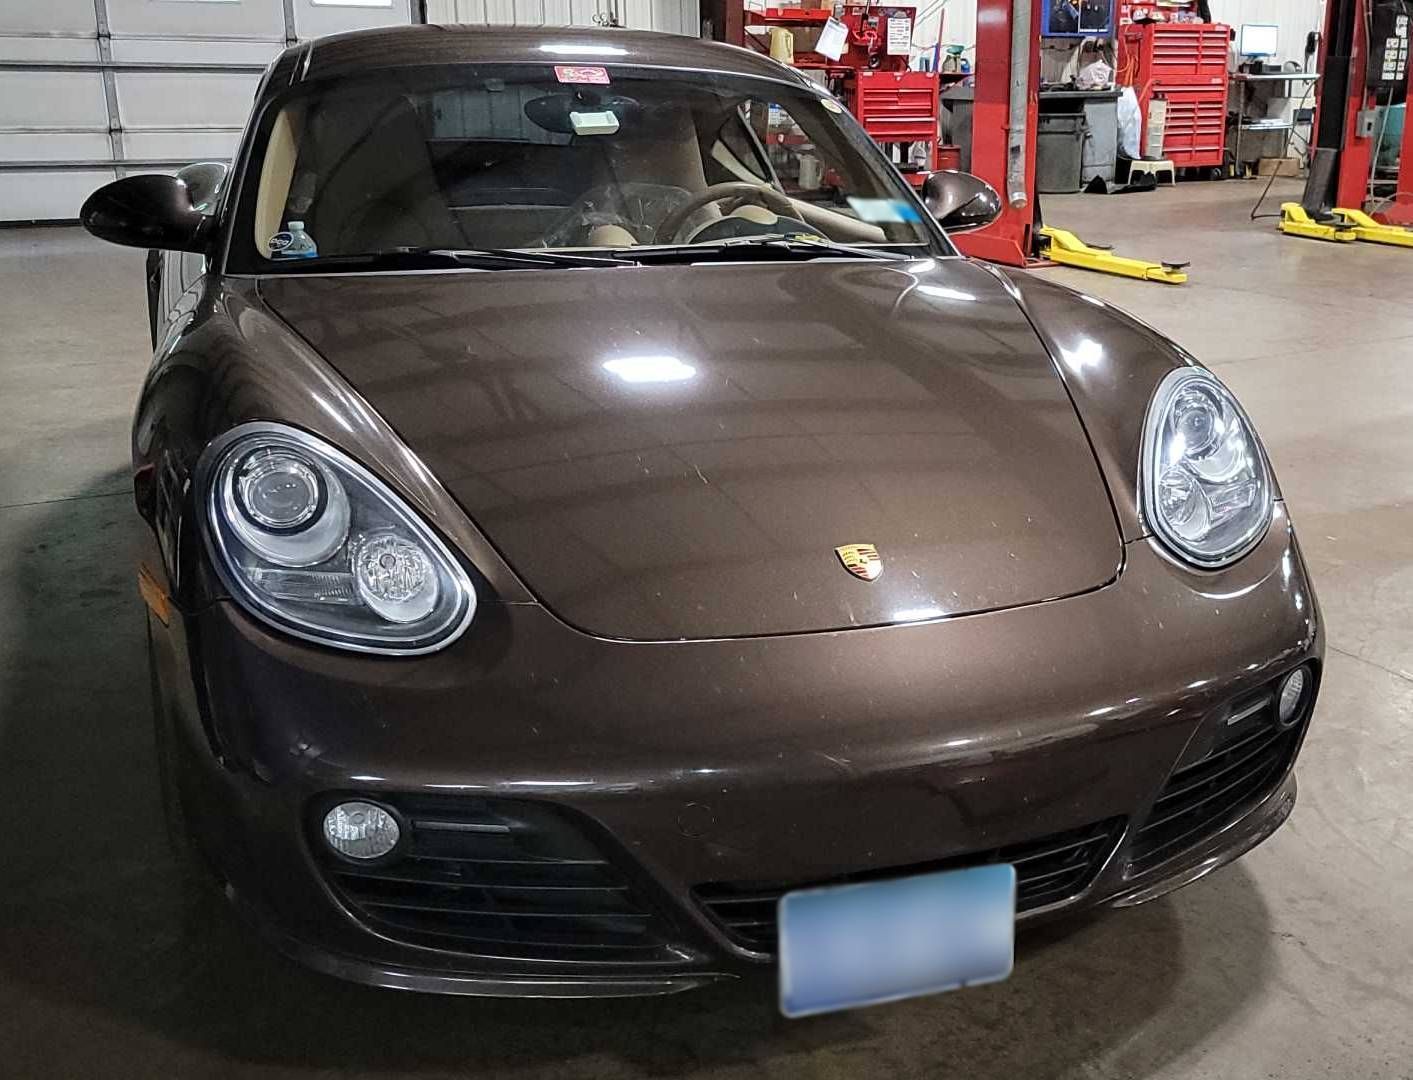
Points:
[[1059, 154]]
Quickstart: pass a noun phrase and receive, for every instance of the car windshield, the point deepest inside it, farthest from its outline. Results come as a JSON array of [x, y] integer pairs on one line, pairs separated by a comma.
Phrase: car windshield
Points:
[[456, 162]]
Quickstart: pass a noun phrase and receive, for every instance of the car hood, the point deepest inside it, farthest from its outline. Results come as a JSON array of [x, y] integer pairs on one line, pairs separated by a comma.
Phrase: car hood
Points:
[[668, 453]]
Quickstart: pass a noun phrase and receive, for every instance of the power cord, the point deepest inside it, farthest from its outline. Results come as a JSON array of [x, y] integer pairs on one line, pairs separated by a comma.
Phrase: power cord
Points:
[[1285, 151]]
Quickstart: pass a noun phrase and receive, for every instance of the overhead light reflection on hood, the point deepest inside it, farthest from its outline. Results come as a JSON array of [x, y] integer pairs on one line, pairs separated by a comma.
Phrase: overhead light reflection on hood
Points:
[[649, 369], [918, 614], [1086, 353], [941, 292]]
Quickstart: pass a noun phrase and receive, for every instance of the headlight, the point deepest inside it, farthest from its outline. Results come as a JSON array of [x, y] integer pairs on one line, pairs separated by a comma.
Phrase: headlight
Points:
[[1205, 486], [313, 543]]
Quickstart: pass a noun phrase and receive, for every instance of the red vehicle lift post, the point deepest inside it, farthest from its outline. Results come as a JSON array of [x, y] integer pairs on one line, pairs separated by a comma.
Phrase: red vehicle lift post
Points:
[[1003, 153], [1400, 212], [1354, 84]]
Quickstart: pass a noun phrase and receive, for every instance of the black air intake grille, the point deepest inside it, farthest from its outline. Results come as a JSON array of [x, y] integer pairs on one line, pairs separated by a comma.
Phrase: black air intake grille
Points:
[[1048, 870], [1242, 769], [504, 878]]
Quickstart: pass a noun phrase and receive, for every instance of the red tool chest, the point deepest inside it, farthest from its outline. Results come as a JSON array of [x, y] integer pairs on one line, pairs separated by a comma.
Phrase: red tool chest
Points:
[[1195, 128], [1185, 65], [897, 106]]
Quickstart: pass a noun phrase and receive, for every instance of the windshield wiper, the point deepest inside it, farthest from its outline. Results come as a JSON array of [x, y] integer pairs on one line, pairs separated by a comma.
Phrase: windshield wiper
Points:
[[476, 256], [421, 258], [766, 247], [737, 248]]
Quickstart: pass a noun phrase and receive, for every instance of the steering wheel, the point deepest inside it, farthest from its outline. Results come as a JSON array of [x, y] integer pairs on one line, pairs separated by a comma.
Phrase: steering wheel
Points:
[[638, 207], [667, 232]]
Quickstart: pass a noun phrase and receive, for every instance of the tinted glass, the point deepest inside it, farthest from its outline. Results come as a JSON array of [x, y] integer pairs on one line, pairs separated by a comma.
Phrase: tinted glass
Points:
[[511, 156]]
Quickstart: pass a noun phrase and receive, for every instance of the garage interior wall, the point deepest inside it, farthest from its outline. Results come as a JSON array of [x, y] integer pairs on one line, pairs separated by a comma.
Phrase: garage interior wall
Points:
[[94, 89], [667, 16], [1294, 17]]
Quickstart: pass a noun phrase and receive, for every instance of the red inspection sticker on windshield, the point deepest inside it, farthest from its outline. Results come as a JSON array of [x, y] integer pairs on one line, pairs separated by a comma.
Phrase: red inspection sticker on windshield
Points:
[[573, 73]]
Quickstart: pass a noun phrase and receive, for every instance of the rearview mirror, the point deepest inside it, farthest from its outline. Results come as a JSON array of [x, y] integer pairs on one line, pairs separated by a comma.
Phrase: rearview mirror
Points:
[[960, 201], [149, 211]]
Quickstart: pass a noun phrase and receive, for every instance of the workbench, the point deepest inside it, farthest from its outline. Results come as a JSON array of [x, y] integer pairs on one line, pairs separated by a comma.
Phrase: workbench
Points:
[[1244, 82]]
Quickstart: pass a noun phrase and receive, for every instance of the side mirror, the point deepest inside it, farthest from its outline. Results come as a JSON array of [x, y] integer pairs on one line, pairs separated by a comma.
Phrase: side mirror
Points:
[[149, 211], [960, 201], [204, 183]]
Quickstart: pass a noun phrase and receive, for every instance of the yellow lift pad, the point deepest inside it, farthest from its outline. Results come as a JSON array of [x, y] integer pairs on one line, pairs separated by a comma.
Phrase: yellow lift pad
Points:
[[1067, 249], [1296, 222], [1373, 232]]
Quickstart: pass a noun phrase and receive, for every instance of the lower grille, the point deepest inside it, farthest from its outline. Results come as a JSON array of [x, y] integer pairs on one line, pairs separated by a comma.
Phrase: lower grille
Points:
[[1241, 770], [504, 878], [1048, 870]]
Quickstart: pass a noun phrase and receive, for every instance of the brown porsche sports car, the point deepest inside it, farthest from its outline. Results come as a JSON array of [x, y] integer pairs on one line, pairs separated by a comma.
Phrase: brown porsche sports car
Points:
[[589, 499]]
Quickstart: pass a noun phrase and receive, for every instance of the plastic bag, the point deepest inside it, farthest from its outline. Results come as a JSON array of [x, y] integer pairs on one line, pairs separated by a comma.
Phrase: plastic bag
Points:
[[1095, 76], [1130, 124]]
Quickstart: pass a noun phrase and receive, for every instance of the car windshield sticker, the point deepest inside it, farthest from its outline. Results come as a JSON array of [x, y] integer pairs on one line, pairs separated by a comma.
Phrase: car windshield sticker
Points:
[[574, 73], [884, 211], [594, 123]]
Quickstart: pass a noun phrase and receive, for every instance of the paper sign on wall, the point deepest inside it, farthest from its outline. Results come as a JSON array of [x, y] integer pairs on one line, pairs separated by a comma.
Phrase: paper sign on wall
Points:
[[900, 36], [832, 39]]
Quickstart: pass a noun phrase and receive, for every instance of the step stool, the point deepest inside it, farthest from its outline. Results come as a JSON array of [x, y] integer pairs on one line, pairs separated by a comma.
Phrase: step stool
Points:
[[1153, 168]]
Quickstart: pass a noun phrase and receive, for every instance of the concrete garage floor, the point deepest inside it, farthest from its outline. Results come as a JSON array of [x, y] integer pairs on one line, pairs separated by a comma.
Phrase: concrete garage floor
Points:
[[1295, 962]]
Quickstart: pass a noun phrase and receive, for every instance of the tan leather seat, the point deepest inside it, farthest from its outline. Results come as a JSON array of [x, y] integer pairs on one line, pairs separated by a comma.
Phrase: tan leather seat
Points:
[[375, 182]]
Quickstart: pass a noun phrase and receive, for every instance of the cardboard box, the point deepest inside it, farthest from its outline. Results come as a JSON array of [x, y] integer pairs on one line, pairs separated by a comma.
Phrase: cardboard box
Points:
[[1279, 166]]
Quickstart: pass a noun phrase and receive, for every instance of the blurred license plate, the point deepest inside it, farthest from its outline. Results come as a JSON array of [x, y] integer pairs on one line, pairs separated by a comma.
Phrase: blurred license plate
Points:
[[848, 945]]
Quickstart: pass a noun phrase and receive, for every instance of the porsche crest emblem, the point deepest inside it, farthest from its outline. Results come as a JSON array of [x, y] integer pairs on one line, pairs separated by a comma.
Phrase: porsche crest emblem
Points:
[[861, 560]]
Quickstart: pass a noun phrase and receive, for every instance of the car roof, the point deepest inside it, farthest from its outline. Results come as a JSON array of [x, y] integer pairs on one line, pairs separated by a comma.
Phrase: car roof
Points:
[[363, 51]]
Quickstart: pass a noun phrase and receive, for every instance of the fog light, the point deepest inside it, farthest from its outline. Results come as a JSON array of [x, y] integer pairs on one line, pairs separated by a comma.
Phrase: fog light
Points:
[[361, 830], [1292, 694]]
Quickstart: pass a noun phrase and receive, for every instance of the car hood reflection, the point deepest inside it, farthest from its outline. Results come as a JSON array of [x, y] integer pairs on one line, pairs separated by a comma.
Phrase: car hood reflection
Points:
[[675, 452]]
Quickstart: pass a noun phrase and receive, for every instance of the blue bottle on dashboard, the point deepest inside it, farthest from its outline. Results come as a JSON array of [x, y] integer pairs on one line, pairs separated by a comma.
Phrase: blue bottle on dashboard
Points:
[[301, 245]]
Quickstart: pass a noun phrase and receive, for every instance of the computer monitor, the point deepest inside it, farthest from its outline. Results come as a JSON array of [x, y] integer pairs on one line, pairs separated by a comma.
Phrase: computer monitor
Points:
[[1078, 18], [1257, 39]]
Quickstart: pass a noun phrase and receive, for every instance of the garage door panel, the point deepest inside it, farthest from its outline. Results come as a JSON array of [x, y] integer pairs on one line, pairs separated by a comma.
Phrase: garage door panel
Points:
[[52, 99], [503, 13], [198, 18], [54, 146], [637, 14], [47, 17], [29, 196], [57, 123], [315, 18], [182, 146], [48, 48], [189, 51], [667, 16], [558, 13], [185, 99]]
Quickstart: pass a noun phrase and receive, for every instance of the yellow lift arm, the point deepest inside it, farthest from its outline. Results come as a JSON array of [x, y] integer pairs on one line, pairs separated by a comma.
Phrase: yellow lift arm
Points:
[[1067, 249], [1370, 231], [1296, 222]]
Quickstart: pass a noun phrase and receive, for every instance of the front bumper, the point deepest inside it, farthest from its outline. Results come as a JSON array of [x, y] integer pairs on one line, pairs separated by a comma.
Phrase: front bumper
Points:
[[1234, 839], [790, 759]]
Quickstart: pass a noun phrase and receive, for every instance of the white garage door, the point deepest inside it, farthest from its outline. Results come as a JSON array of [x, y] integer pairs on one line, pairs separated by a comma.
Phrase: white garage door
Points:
[[667, 16], [95, 89]]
